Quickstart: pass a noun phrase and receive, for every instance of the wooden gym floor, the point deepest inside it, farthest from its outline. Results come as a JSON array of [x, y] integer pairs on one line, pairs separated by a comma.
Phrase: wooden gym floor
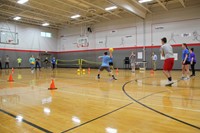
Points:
[[135, 103]]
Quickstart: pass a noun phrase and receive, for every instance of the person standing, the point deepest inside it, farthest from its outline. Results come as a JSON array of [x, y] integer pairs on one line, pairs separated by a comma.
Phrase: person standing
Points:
[[0, 64], [132, 59], [37, 63], [154, 59], [46, 61], [32, 63], [167, 53], [53, 62], [7, 60], [105, 64], [192, 61], [185, 62], [19, 61]]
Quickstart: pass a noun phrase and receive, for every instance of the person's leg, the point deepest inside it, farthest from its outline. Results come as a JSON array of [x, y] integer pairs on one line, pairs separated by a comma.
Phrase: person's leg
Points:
[[187, 70], [8, 65], [99, 72], [183, 70], [194, 69], [110, 72], [154, 65]]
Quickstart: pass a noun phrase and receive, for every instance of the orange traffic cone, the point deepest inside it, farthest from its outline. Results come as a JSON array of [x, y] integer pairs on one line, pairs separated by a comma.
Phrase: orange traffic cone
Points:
[[88, 70], [152, 71], [52, 86], [117, 70], [10, 78]]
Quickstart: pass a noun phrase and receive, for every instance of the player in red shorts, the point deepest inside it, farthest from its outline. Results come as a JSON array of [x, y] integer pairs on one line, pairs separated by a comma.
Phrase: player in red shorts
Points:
[[167, 52]]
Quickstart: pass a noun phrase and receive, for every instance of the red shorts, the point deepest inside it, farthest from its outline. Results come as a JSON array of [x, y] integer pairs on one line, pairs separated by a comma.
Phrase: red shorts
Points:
[[168, 64]]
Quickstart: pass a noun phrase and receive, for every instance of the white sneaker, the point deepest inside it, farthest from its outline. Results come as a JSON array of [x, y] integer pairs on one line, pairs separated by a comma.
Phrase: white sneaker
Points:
[[186, 78], [169, 83]]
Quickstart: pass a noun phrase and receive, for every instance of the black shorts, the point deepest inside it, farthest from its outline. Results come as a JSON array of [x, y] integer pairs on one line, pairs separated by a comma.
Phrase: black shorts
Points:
[[110, 63], [186, 63], [105, 67]]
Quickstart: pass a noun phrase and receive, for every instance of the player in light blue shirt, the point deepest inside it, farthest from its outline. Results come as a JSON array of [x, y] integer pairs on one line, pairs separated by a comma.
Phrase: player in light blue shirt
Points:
[[105, 64]]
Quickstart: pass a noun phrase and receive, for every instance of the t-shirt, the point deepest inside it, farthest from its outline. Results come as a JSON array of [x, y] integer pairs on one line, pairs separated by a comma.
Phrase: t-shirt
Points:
[[7, 59], [192, 55], [19, 60], [167, 50], [31, 60], [132, 58], [111, 60], [184, 53], [154, 57], [105, 60], [53, 61]]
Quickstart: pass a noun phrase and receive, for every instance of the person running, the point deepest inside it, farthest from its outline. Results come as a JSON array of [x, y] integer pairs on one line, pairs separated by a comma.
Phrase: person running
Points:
[[32, 63], [105, 64], [167, 53], [185, 62], [53, 62], [192, 61], [111, 64], [37, 63], [19, 62], [7, 60], [132, 59], [154, 59]]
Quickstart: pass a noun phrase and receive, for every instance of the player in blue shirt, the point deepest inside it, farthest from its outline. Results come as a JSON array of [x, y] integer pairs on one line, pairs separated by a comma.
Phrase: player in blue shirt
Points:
[[185, 61], [53, 62], [105, 64]]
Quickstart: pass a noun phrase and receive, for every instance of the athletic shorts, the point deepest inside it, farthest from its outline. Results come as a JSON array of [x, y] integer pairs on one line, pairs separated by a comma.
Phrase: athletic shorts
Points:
[[110, 63], [168, 64], [186, 63], [105, 67]]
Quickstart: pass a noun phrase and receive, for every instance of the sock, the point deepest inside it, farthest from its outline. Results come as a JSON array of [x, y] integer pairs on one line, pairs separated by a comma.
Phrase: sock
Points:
[[170, 78]]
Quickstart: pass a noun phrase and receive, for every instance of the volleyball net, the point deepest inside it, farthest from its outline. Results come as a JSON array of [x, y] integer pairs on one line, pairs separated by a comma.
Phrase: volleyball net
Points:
[[77, 63]]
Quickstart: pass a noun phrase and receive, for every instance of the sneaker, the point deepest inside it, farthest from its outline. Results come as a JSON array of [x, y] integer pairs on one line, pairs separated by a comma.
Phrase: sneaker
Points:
[[169, 83], [182, 78], [114, 78], [186, 78], [98, 77]]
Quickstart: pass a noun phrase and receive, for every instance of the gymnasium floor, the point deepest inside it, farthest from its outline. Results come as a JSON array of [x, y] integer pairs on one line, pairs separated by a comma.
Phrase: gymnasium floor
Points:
[[135, 103]]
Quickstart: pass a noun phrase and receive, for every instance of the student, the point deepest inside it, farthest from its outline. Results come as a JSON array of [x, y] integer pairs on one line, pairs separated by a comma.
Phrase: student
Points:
[[132, 59], [111, 64], [37, 63], [154, 59], [167, 52], [192, 61], [105, 64], [46, 61], [19, 61], [7, 60], [53, 62], [185, 62], [0, 64], [32, 62]]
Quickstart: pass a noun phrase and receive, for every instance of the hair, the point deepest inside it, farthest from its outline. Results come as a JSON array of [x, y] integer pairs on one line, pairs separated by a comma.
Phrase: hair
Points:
[[164, 39], [185, 45], [192, 49], [105, 53]]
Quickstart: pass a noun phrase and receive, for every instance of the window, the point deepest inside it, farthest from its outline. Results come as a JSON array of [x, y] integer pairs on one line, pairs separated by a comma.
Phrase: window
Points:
[[46, 34]]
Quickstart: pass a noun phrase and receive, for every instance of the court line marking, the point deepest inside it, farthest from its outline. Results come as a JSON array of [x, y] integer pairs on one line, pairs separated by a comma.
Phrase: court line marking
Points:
[[27, 122], [109, 112], [161, 113]]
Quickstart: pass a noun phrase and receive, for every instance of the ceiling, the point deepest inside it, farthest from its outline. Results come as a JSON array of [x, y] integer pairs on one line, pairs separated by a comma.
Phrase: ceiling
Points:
[[58, 12]]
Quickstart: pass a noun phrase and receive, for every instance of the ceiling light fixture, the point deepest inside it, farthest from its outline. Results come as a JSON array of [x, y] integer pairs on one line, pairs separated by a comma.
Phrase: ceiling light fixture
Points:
[[17, 18], [75, 16], [45, 24], [143, 1], [111, 8], [22, 1]]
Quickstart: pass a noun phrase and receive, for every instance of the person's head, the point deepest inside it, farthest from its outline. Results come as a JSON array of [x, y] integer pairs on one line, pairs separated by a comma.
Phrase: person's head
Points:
[[6, 55], [153, 53], [191, 50], [53, 57], [184, 46], [164, 40], [32, 56], [105, 53]]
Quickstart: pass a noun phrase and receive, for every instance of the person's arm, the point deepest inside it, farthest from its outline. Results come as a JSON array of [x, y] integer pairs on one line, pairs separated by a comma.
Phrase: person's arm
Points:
[[100, 57], [192, 59], [111, 55]]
